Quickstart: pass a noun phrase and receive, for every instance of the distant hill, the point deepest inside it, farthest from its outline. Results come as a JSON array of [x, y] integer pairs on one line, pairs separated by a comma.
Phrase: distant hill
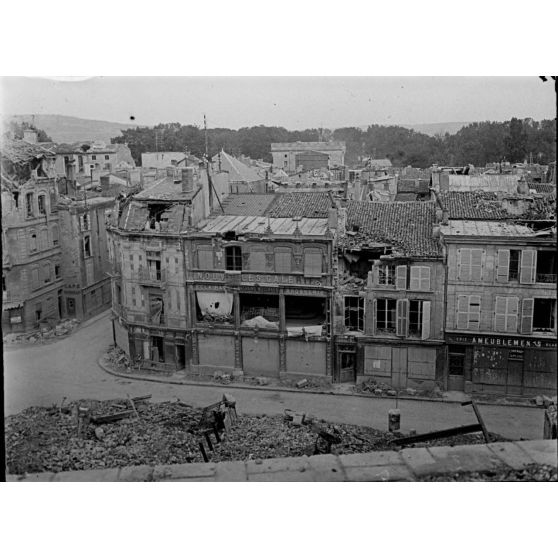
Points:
[[439, 128], [68, 129]]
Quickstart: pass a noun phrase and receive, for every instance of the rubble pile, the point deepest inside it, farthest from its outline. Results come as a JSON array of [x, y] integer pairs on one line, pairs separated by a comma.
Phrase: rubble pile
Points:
[[46, 332], [382, 389], [50, 439], [532, 473]]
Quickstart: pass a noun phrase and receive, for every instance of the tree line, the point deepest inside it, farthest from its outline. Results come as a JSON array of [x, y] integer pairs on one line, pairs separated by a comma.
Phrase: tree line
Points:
[[479, 143]]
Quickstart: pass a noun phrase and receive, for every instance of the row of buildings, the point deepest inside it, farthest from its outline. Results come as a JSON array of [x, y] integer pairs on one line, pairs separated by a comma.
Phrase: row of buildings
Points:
[[457, 290]]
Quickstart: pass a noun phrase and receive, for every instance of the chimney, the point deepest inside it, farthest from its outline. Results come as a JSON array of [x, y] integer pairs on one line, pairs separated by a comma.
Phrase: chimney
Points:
[[170, 171], [341, 221], [332, 218], [30, 136], [188, 180]]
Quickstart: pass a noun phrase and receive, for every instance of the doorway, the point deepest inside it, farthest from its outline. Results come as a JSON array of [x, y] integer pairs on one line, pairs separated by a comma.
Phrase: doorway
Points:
[[456, 368], [346, 364], [71, 307]]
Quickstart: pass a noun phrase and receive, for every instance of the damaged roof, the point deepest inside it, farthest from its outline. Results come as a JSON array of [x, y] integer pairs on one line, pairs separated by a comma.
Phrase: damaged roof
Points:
[[172, 217], [301, 204], [415, 186], [247, 204], [259, 225], [484, 228], [164, 189], [238, 171], [543, 187], [21, 151], [405, 226]]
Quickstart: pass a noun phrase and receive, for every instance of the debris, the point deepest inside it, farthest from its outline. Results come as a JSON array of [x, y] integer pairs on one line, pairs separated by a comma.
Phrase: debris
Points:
[[378, 392], [298, 419], [391, 392], [99, 433], [112, 417], [302, 383], [262, 381], [411, 391], [394, 420], [538, 401]]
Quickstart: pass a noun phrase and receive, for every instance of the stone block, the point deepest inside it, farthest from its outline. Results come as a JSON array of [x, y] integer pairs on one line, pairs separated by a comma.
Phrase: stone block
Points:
[[419, 460], [544, 452], [96, 475], [180, 471], [139, 473], [373, 459], [510, 454], [327, 468], [232, 471], [463, 458], [278, 464], [32, 477], [283, 476], [385, 473]]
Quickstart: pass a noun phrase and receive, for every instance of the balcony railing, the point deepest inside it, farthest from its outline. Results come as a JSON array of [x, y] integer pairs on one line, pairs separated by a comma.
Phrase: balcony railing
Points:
[[546, 278], [151, 276]]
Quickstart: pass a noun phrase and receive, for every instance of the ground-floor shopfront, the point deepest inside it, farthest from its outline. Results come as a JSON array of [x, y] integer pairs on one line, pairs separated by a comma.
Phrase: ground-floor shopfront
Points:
[[500, 364]]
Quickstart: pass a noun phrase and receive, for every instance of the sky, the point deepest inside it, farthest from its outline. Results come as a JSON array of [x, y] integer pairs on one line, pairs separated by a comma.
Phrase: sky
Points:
[[294, 103]]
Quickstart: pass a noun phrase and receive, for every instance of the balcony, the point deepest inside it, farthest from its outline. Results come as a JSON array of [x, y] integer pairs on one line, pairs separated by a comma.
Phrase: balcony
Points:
[[151, 277], [546, 278]]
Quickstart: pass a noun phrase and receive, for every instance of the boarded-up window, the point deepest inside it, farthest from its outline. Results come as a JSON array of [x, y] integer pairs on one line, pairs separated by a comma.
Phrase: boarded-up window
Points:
[[468, 312], [420, 278], [402, 317], [505, 314], [401, 277], [528, 267], [257, 260], [283, 259], [470, 264], [312, 263], [527, 307], [205, 258], [426, 319]]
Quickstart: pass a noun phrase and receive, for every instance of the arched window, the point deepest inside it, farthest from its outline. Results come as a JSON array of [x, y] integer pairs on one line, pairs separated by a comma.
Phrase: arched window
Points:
[[42, 204]]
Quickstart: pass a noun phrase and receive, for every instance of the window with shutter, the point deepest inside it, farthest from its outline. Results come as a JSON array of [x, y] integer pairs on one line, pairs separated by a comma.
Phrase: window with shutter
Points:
[[415, 278], [465, 264], [511, 314], [528, 267], [474, 312], [401, 277], [312, 264], [502, 273], [424, 280], [415, 318], [402, 317], [205, 258], [257, 261], [527, 308], [426, 319], [462, 311], [476, 264], [283, 261], [500, 309]]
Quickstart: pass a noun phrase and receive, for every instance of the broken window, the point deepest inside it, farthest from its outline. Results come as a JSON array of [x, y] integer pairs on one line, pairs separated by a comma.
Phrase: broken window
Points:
[[154, 265], [38, 312], [57, 270], [305, 315], [87, 246], [259, 310], [156, 309], [468, 312], [214, 306], [354, 313], [158, 216], [157, 351], [16, 198], [80, 163], [386, 275], [233, 258], [546, 266], [385, 314], [29, 204], [84, 222], [544, 314], [42, 204]]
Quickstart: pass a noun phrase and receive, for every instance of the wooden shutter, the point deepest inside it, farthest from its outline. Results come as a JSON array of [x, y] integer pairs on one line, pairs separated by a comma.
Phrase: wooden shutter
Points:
[[401, 277], [312, 264], [462, 311], [502, 273], [374, 315], [474, 312], [528, 266], [283, 261], [257, 261], [426, 319], [415, 278], [402, 320], [500, 311], [424, 278], [465, 264], [205, 258], [512, 312], [476, 264], [527, 308]]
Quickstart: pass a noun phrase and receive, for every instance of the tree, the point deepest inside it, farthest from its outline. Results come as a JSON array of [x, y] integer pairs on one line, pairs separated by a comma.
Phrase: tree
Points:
[[17, 129], [516, 141]]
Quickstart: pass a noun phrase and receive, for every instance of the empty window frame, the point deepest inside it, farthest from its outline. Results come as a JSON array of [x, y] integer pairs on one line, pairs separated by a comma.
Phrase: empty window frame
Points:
[[546, 266], [233, 258], [415, 317], [354, 313], [386, 275], [544, 314], [386, 315], [29, 204], [84, 221], [87, 246], [154, 265]]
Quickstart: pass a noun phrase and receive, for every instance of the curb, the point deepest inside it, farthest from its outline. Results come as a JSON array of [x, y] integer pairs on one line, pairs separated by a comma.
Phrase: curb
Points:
[[291, 390]]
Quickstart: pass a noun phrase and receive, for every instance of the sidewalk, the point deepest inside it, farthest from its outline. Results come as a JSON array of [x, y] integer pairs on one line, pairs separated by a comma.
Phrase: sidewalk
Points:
[[273, 384], [410, 464]]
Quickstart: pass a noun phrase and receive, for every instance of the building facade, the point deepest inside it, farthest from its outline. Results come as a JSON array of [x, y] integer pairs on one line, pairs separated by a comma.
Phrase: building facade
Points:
[[285, 154]]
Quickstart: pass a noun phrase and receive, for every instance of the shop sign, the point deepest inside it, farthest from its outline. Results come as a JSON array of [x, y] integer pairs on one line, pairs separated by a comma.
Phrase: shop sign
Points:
[[500, 341], [515, 354], [15, 320], [276, 279]]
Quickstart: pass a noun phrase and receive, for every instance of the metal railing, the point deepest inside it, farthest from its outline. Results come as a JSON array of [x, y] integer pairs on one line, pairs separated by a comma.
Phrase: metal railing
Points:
[[546, 278], [150, 275]]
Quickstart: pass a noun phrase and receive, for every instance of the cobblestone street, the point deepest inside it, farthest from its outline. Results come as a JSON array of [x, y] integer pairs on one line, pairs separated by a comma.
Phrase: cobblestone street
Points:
[[42, 375]]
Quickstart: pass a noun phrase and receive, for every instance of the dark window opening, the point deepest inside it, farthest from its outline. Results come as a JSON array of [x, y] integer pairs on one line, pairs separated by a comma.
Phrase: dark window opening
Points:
[[154, 266], [87, 246], [38, 312], [118, 293], [385, 315], [233, 258], [456, 363], [33, 244], [303, 311], [156, 309], [57, 270], [546, 267], [359, 263], [157, 351], [16, 199], [80, 163], [93, 157], [415, 317], [158, 216], [544, 314], [515, 257], [29, 204], [42, 205], [107, 157], [259, 306], [85, 222], [354, 313]]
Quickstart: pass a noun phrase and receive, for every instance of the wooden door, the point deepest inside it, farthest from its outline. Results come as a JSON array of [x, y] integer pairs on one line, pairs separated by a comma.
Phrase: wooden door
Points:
[[347, 366], [399, 367]]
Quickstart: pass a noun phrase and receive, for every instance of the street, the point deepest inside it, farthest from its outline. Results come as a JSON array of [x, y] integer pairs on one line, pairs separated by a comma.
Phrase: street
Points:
[[41, 375]]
